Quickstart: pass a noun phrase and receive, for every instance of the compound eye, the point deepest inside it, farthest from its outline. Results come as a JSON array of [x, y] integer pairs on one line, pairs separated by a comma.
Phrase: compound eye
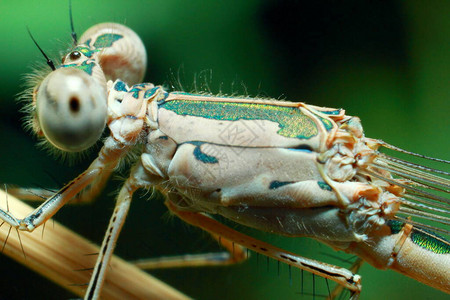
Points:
[[71, 109]]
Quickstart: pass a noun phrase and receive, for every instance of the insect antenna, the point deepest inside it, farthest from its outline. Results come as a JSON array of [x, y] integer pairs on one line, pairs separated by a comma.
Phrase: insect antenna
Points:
[[49, 61], [84, 269], [79, 284], [73, 33]]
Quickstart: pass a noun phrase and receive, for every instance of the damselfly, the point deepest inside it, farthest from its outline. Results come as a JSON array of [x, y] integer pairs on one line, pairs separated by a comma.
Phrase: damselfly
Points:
[[335, 105]]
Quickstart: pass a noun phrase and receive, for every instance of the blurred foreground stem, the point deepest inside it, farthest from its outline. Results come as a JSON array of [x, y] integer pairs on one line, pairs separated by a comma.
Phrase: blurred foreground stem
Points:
[[60, 254]]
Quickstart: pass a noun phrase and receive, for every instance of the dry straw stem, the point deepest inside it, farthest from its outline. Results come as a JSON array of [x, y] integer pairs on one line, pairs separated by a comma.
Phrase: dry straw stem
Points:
[[60, 253]]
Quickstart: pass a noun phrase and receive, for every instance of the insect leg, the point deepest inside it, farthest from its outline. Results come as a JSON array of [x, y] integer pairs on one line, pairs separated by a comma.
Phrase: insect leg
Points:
[[106, 161], [340, 275], [338, 289], [86, 196], [235, 254], [31, 194], [137, 179], [115, 225]]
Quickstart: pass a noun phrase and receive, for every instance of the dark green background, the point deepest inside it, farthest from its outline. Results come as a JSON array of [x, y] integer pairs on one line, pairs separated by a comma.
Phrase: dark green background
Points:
[[387, 63]]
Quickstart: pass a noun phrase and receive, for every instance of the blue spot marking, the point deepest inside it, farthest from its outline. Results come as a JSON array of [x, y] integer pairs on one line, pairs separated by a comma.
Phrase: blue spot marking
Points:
[[163, 100], [395, 226], [276, 184], [135, 90], [324, 186], [163, 137], [151, 92], [304, 148], [120, 86], [84, 66], [199, 155]]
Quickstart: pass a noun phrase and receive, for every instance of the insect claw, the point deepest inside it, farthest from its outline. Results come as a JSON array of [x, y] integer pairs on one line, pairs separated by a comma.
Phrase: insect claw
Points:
[[43, 229], [21, 245], [84, 269], [7, 236], [328, 287], [78, 284]]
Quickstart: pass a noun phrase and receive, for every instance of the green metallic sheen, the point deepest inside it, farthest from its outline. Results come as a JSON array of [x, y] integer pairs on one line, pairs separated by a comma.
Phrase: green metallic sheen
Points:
[[292, 122], [103, 41], [85, 66], [430, 241], [106, 40], [326, 123], [88, 42], [424, 238], [86, 51]]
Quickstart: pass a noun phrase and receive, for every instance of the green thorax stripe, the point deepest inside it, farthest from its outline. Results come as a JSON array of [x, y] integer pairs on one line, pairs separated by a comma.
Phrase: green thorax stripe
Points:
[[292, 122]]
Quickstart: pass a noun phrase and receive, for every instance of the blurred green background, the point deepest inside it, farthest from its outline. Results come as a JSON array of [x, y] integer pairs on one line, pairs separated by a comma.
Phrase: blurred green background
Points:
[[386, 62]]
